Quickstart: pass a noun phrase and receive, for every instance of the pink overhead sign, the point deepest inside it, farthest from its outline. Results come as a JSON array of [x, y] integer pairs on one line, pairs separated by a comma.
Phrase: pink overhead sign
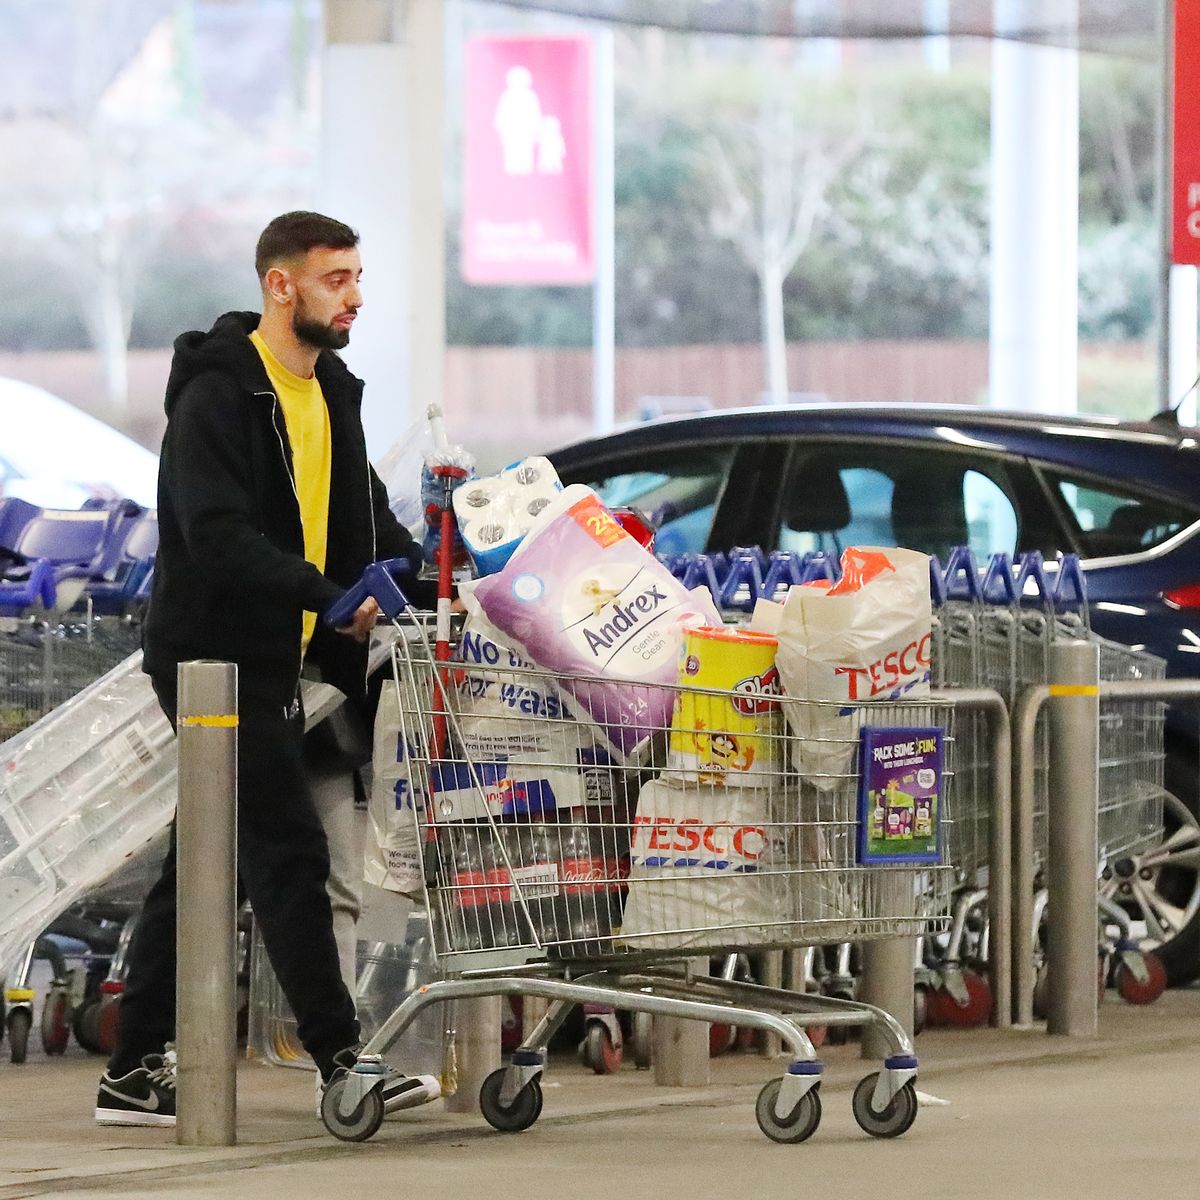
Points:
[[527, 210]]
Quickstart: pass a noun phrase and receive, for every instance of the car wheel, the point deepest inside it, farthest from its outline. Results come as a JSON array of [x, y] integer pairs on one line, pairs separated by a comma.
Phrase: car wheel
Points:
[[1161, 886]]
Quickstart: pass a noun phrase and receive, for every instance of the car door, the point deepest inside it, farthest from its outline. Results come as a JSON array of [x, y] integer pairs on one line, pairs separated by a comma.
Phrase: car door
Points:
[[928, 498]]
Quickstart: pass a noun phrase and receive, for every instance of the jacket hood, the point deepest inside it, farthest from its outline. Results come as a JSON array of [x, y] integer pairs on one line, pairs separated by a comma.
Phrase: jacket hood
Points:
[[227, 348]]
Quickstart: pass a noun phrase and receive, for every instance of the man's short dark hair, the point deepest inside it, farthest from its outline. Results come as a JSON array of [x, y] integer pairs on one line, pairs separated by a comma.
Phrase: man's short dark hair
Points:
[[296, 233]]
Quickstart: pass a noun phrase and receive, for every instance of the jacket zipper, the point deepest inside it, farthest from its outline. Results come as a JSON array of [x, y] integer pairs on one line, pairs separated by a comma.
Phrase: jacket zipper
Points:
[[374, 550], [295, 492]]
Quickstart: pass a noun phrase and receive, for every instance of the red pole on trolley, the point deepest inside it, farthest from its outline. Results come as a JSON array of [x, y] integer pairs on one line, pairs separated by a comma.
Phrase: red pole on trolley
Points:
[[448, 474]]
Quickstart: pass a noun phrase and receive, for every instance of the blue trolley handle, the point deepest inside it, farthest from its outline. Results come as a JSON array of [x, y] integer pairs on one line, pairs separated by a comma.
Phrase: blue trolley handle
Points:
[[376, 582]]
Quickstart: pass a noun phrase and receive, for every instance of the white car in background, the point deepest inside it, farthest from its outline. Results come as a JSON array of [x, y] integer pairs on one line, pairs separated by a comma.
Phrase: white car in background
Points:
[[57, 456]]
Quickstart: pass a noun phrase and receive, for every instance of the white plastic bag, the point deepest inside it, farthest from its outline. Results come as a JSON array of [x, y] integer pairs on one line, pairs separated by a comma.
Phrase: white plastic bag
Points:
[[867, 638], [393, 858], [704, 860], [400, 471]]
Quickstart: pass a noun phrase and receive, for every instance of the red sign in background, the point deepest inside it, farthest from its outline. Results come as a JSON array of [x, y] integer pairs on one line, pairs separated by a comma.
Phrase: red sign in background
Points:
[[1185, 239], [527, 209]]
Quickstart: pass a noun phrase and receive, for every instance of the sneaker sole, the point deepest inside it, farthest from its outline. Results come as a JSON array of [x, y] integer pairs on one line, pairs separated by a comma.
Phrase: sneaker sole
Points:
[[118, 1116], [413, 1098]]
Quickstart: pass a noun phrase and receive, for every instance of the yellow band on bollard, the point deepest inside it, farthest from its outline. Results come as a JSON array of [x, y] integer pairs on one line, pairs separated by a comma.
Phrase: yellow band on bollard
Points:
[[214, 721], [1074, 689], [19, 995]]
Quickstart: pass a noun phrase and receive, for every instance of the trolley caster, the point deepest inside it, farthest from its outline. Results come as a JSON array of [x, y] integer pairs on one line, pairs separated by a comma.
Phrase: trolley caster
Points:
[[967, 1010], [362, 1122], [524, 1110], [798, 1125], [1041, 994], [598, 1051], [721, 1039], [641, 1039], [20, 1021], [894, 1118], [85, 1025], [56, 1025], [921, 1008], [1141, 987]]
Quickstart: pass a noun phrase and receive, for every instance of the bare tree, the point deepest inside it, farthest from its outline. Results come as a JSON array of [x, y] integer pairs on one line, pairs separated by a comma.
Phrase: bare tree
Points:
[[774, 173]]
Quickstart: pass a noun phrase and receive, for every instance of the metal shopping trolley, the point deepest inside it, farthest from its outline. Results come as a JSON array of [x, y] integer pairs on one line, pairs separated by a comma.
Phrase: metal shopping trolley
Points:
[[562, 869]]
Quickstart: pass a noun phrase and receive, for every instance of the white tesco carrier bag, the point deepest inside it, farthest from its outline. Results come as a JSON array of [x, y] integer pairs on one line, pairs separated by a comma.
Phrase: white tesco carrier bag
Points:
[[866, 638], [704, 858], [393, 858]]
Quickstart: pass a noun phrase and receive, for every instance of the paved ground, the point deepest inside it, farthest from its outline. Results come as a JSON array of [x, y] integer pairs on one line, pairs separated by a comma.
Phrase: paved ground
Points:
[[1029, 1118]]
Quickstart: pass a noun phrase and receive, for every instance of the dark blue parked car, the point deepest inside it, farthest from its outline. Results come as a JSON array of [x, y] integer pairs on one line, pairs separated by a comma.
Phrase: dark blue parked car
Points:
[[1125, 497]]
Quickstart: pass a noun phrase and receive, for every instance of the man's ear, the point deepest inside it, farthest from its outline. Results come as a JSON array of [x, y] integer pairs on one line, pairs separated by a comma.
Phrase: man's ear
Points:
[[279, 286]]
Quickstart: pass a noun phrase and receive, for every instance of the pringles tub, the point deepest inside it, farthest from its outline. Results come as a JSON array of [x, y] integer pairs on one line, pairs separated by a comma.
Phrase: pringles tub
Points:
[[731, 737]]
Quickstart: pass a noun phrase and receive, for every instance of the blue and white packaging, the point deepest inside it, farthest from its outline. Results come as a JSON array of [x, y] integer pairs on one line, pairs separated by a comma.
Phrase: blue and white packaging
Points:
[[495, 513]]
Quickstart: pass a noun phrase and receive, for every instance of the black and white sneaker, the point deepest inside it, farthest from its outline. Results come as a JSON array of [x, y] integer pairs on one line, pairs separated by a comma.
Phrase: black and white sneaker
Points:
[[399, 1090], [145, 1096]]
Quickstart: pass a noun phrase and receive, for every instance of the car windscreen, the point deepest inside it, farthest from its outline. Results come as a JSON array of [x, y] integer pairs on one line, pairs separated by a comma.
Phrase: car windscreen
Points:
[[1112, 521]]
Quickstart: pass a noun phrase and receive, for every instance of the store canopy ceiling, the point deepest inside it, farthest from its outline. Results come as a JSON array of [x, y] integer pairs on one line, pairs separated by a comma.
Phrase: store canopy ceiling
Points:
[[1120, 26]]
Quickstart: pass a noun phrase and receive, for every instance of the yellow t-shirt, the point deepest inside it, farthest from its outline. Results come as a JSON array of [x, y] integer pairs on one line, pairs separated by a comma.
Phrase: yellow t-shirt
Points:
[[307, 422]]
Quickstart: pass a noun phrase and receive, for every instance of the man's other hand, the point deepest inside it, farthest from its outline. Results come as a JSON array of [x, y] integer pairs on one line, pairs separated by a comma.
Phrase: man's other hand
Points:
[[364, 621]]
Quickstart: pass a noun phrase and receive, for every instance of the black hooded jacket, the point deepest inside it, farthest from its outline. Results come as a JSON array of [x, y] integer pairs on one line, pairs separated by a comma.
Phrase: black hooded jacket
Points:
[[230, 578]]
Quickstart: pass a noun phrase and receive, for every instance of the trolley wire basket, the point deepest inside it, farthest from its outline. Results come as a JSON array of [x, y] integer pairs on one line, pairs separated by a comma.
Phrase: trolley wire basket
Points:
[[43, 665], [543, 843]]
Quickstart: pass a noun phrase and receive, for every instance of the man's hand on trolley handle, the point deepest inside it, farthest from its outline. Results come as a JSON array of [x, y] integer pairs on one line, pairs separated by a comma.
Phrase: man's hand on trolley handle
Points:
[[363, 621]]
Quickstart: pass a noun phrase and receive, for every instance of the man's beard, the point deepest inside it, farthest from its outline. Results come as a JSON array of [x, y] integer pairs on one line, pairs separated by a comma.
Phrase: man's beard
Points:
[[313, 333]]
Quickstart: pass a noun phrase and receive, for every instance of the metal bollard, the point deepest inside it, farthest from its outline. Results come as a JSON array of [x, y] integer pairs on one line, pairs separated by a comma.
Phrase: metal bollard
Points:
[[1074, 787], [205, 943]]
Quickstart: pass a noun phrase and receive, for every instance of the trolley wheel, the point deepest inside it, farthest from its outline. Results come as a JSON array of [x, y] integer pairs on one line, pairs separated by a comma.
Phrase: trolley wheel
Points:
[[920, 1008], [641, 1036], [525, 1109], [1136, 991], [20, 1021], [799, 1125], [362, 1123], [106, 1024], [598, 1051], [818, 1035], [56, 1029], [977, 1008], [721, 1039], [1041, 994], [890, 1122], [85, 1025]]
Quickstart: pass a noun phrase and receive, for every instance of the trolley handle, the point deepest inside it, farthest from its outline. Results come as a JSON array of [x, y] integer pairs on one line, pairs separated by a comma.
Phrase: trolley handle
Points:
[[376, 582]]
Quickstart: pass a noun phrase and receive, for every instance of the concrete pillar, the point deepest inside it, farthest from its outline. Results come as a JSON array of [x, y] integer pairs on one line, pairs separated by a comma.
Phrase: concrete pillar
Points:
[[681, 1047], [382, 168], [1182, 365], [1033, 348], [477, 1049], [887, 983]]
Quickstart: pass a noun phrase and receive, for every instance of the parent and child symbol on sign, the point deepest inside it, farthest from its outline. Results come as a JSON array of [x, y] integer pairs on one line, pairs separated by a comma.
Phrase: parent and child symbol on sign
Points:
[[530, 138]]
